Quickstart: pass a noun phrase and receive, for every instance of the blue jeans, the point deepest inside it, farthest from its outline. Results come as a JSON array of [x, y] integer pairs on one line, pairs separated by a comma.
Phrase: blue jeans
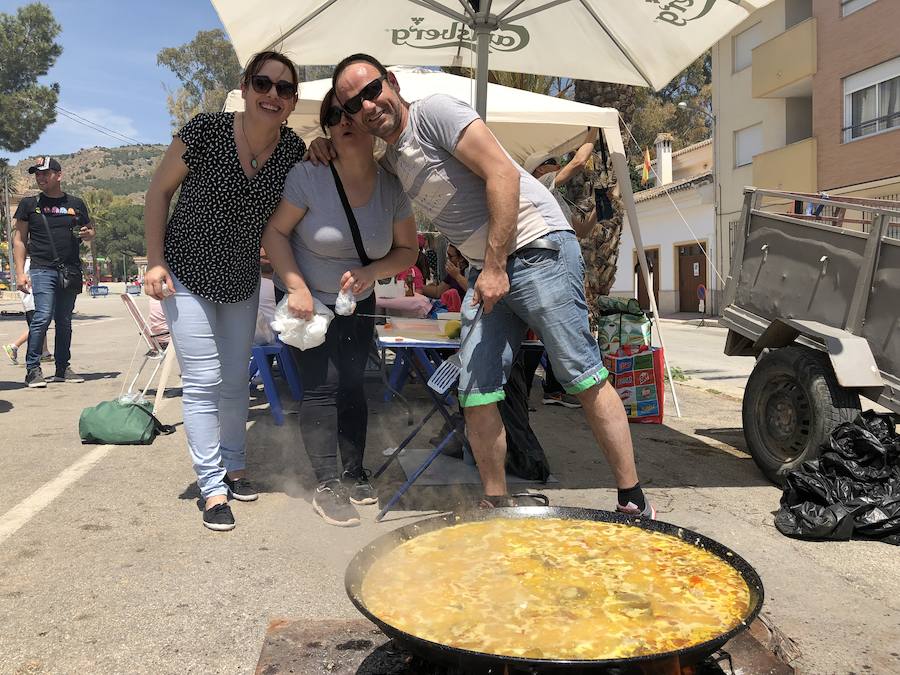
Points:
[[546, 294], [212, 341], [51, 301]]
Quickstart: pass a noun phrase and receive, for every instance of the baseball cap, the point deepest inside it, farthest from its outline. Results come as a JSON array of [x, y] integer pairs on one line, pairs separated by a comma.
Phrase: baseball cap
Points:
[[43, 164], [550, 162]]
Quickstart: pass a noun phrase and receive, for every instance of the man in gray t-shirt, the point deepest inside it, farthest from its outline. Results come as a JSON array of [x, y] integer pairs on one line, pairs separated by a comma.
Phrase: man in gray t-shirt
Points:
[[526, 270]]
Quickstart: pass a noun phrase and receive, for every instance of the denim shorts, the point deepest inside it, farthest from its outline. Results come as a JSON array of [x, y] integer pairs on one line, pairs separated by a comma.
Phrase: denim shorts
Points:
[[547, 295]]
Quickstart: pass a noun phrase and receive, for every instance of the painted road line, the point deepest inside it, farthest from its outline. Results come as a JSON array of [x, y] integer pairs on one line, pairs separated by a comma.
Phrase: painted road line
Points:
[[28, 508]]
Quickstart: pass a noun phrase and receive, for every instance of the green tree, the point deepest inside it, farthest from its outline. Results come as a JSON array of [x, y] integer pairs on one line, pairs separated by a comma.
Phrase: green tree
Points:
[[27, 51], [207, 68], [98, 204], [122, 236]]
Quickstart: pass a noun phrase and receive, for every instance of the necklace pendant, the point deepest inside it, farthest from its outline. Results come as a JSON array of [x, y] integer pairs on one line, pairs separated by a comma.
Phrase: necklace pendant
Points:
[[254, 163]]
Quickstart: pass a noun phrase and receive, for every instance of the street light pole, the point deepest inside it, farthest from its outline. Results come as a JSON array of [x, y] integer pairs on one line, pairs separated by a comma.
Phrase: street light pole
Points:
[[715, 176]]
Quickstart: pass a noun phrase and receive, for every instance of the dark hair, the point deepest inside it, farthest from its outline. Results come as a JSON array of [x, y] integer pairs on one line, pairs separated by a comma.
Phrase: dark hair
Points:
[[356, 58], [255, 64], [324, 108]]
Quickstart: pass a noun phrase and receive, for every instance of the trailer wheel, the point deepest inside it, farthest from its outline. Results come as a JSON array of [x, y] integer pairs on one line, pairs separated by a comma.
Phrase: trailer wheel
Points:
[[791, 405]]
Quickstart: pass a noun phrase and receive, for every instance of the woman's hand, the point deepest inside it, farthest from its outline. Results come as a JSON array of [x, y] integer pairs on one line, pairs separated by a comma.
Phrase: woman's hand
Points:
[[321, 151], [156, 277], [300, 303], [358, 280], [453, 270]]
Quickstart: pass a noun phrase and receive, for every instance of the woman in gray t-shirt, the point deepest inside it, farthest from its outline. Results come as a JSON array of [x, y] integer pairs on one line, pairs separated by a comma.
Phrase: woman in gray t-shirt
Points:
[[311, 246]]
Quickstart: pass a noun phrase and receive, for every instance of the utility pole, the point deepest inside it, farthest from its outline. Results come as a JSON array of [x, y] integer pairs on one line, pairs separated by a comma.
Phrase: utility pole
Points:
[[9, 238]]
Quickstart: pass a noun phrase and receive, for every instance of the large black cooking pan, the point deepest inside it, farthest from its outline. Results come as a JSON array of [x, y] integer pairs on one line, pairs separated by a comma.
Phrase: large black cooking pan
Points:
[[478, 662]]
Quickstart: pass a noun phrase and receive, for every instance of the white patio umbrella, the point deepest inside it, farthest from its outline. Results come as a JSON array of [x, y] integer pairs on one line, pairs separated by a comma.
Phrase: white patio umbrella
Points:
[[640, 42], [532, 127]]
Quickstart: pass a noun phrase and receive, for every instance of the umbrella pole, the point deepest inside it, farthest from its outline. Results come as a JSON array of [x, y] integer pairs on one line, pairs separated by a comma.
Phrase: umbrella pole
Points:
[[620, 164], [483, 36]]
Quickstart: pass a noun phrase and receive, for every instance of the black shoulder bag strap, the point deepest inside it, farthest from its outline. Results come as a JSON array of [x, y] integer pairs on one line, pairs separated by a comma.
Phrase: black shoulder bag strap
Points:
[[52, 243], [351, 219]]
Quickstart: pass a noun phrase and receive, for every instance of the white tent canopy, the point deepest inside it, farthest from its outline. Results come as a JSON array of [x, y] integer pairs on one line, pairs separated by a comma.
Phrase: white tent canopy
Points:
[[532, 127]]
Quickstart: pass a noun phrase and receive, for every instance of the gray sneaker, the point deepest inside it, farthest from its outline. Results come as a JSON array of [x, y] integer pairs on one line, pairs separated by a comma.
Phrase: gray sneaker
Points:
[[360, 489], [34, 379], [561, 398], [68, 376], [12, 353], [332, 502], [631, 509]]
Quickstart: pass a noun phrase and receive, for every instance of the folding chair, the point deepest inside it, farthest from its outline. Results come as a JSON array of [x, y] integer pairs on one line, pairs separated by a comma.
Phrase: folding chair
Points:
[[156, 352], [259, 363]]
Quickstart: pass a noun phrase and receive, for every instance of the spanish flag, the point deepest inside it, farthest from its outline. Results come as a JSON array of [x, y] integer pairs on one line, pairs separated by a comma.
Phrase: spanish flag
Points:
[[645, 176]]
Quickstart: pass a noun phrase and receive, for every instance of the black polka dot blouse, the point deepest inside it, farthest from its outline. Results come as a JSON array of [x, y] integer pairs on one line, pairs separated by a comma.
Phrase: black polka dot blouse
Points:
[[212, 239]]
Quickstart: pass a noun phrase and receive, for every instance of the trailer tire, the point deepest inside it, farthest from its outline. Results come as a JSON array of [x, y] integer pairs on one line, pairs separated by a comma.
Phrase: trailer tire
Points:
[[791, 405]]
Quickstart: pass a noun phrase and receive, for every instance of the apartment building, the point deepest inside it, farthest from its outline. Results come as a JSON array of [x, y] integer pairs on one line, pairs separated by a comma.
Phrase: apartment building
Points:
[[806, 96]]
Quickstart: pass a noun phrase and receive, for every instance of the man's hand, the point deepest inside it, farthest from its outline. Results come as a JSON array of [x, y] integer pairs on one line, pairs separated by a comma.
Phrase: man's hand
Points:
[[23, 283], [154, 279], [321, 151], [491, 285], [87, 232], [300, 303], [357, 280]]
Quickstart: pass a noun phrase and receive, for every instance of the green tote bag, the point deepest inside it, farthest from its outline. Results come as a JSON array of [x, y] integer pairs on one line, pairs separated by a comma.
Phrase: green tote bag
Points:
[[121, 422]]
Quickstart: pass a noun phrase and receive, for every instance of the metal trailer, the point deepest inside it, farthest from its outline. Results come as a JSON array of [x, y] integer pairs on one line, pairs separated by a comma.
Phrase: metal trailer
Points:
[[814, 294]]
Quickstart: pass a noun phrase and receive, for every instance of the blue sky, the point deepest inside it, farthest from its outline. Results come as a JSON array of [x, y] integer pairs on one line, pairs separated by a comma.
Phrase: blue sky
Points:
[[107, 72]]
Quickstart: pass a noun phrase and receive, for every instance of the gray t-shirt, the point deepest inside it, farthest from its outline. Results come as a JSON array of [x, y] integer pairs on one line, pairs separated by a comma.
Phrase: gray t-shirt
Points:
[[322, 242], [452, 196], [548, 180]]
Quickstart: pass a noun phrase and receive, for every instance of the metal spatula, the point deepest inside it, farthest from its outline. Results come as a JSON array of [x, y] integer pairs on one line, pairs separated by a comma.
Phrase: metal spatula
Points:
[[448, 372]]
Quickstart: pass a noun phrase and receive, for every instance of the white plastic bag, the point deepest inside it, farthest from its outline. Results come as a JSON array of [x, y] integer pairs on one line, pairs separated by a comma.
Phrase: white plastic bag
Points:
[[301, 333], [345, 304]]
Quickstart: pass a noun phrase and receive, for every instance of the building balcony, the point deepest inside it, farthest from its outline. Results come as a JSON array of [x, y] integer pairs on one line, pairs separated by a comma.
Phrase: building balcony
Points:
[[791, 168], [783, 67]]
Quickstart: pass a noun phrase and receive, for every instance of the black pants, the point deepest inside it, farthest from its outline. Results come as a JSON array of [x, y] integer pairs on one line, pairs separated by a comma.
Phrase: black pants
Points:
[[531, 359], [334, 414]]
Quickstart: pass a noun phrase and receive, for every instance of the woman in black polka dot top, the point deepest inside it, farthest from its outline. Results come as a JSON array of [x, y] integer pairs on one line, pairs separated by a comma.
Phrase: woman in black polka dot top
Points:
[[204, 264]]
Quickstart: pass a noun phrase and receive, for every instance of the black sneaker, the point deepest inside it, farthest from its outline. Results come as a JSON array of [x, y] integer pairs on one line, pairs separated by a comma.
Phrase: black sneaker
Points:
[[332, 502], [219, 518], [68, 375], [34, 379], [241, 489], [360, 489]]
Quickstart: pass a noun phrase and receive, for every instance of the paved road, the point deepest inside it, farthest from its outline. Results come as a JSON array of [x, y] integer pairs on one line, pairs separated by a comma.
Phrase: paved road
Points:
[[105, 567]]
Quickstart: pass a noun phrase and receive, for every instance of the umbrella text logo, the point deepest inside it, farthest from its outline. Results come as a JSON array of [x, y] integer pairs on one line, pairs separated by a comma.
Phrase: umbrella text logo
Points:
[[679, 12], [510, 39]]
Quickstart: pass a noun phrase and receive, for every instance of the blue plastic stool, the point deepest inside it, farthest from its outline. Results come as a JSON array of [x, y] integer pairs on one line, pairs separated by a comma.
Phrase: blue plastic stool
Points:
[[260, 364]]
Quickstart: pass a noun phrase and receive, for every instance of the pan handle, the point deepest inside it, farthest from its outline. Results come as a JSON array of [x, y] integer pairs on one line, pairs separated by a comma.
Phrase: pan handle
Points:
[[539, 496]]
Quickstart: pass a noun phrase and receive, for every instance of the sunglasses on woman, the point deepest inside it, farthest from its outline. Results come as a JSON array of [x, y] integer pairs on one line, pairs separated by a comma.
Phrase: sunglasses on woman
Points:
[[263, 85], [371, 91], [333, 116]]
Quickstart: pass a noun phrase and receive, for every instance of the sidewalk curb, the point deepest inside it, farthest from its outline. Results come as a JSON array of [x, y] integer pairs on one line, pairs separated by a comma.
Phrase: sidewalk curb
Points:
[[712, 322]]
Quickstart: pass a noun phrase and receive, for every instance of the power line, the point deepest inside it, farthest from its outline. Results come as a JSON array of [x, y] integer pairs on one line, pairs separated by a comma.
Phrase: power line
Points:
[[112, 133]]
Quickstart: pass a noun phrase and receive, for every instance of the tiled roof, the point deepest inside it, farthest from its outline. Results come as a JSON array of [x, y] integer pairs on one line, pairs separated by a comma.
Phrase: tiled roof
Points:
[[674, 186], [689, 148]]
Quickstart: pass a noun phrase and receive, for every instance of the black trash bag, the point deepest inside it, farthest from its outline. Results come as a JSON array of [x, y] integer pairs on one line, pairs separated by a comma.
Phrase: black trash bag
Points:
[[525, 456], [852, 490]]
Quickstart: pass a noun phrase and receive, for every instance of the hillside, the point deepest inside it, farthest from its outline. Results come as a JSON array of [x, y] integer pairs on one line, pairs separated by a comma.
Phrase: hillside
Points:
[[125, 170]]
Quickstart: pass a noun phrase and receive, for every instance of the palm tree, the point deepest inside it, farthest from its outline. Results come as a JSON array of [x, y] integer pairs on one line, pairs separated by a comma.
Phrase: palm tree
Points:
[[98, 203]]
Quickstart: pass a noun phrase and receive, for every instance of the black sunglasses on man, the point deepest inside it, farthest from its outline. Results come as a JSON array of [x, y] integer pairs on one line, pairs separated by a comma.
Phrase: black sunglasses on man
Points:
[[371, 91]]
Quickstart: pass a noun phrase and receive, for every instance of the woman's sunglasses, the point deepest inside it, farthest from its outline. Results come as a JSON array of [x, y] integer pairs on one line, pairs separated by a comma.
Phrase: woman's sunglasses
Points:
[[263, 85], [369, 92], [333, 116]]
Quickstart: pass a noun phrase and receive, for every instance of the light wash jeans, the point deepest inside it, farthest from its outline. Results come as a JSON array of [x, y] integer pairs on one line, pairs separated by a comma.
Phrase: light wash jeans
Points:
[[212, 342]]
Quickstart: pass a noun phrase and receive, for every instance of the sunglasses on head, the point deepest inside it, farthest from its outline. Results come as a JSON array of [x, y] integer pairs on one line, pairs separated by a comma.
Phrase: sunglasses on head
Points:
[[263, 85], [371, 91], [333, 116]]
